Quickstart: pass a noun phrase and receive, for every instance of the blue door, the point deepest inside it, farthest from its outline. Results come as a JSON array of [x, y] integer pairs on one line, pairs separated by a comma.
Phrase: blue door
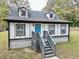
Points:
[[38, 28]]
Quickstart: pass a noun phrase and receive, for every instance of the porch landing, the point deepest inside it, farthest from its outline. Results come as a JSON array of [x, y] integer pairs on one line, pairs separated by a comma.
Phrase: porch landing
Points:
[[55, 57]]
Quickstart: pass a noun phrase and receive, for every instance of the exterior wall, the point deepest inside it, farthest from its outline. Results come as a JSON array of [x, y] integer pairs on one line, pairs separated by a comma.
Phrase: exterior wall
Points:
[[17, 42], [29, 29], [20, 43], [60, 39], [58, 30]]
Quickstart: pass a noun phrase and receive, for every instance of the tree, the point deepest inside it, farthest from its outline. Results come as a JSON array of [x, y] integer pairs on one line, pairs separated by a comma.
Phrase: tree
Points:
[[3, 14], [66, 9]]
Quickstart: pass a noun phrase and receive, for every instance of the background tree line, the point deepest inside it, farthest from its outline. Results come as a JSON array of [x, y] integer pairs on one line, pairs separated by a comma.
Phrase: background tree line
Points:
[[3, 15], [65, 9]]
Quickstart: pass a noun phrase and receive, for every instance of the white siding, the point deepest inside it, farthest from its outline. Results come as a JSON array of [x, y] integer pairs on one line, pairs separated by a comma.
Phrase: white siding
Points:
[[61, 39], [12, 30], [29, 28], [44, 27], [20, 43], [57, 33], [28, 31], [58, 29]]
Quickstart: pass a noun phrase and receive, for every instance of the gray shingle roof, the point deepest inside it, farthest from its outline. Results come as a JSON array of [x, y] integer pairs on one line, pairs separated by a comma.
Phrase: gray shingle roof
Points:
[[33, 16]]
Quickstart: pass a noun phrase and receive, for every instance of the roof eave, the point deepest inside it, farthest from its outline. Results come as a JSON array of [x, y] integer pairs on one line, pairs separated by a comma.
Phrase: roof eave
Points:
[[23, 21]]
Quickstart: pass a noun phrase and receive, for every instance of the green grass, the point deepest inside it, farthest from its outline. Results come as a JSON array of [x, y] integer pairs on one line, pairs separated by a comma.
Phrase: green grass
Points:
[[69, 50], [16, 53]]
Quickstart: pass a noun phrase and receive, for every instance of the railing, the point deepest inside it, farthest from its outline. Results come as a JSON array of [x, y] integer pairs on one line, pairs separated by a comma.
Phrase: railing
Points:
[[34, 40], [51, 41], [36, 37], [41, 43]]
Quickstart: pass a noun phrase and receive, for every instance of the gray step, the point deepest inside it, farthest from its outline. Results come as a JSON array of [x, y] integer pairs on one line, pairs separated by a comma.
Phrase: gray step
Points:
[[46, 43], [49, 55], [48, 49], [45, 40], [48, 52], [54, 57]]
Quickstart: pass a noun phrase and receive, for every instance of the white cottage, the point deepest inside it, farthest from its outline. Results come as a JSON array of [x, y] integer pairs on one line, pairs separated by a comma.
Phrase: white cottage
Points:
[[22, 21]]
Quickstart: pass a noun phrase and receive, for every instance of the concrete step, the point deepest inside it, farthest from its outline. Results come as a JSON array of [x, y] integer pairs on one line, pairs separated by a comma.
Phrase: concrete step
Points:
[[54, 57]]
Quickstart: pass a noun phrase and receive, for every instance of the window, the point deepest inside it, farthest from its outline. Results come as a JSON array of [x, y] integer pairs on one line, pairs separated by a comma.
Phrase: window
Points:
[[23, 13], [52, 29], [51, 15], [63, 29], [20, 29]]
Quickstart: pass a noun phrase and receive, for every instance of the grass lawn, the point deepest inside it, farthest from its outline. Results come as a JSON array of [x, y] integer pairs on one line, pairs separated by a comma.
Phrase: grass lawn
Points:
[[16, 53], [69, 50]]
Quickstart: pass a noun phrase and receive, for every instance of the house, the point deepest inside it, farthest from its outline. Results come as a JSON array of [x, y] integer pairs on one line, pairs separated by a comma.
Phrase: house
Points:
[[23, 22]]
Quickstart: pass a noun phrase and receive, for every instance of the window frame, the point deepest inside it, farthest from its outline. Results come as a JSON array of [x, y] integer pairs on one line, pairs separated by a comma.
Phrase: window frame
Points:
[[20, 12], [23, 13], [21, 29], [49, 14], [65, 29], [54, 29]]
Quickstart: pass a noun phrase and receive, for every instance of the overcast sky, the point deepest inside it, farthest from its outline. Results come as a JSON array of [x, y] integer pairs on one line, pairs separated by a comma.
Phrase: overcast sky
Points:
[[37, 4]]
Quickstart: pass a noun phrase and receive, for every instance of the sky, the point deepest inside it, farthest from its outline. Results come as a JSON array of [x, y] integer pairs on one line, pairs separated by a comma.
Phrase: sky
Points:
[[37, 4]]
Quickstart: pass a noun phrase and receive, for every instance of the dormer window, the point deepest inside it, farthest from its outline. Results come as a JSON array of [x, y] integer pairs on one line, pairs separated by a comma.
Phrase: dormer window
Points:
[[23, 12], [50, 15]]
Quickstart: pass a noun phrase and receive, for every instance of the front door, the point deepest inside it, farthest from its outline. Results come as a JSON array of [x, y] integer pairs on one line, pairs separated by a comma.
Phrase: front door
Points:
[[38, 28]]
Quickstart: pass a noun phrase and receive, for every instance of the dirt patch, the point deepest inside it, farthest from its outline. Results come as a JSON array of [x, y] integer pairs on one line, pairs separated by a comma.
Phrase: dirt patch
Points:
[[28, 50]]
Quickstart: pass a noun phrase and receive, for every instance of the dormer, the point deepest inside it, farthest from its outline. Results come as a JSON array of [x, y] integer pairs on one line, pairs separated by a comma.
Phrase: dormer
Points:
[[50, 15], [23, 12]]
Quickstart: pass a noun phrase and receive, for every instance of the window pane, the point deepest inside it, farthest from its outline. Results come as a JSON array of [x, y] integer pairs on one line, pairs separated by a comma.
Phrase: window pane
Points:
[[63, 29], [52, 29], [51, 15], [20, 29], [23, 13]]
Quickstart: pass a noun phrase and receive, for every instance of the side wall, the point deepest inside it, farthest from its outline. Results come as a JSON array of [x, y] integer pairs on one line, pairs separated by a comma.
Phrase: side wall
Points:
[[58, 37], [20, 41], [25, 41]]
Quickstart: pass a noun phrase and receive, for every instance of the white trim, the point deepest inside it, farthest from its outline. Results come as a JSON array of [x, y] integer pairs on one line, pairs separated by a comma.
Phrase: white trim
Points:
[[15, 31], [21, 12], [66, 29], [48, 15], [55, 28]]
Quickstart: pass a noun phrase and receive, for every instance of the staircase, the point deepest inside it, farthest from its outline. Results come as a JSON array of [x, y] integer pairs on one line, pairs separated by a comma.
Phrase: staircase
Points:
[[46, 44], [48, 50]]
